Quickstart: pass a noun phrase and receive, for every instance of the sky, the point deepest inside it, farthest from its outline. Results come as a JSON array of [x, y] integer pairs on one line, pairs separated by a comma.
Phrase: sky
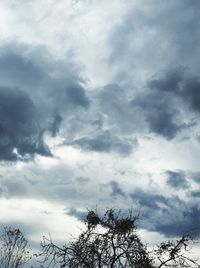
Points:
[[99, 108]]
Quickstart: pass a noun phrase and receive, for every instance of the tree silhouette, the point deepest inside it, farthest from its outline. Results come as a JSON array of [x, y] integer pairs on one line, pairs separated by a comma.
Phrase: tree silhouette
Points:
[[175, 253], [111, 241], [14, 249], [108, 241]]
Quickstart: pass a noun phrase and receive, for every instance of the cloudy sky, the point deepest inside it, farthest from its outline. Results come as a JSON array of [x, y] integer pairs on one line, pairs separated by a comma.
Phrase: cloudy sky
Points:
[[99, 107]]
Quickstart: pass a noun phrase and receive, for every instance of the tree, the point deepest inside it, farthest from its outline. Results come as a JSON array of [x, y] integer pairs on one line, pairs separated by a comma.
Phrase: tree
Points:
[[111, 241], [115, 245], [14, 249], [175, 253]]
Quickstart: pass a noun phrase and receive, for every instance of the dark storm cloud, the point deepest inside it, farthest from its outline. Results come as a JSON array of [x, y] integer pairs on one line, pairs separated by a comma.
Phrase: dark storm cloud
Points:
[[58, 99], [191, 93], [167, 81], [195, 194], [55, 126], [167, 96], [179, 83], [159, 107], [46, 79], [35, 95], [116, 189], [148, 200], [188, 222], [170, 216], [159, 113], [75, 95], [80, 215], [176, 179], [106, 142], [20, 133]]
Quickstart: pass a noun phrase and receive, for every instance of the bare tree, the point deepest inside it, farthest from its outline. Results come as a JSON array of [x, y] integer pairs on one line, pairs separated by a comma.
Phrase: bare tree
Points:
[[111, 241], [108, 241], [175, 253], [14, 249]]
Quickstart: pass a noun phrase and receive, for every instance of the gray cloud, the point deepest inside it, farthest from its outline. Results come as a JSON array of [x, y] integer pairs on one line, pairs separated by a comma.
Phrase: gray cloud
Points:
[[164, 93], [80, 215], [145, 41], [186, 222], [55, 126], [176, 180], [114, 102], [75, 95], [180, 83], [168, 81], [21, 135], [164, 106], [16, 69], [195, 176], [169, 47], [106, 142], [171, 216], [60, 100], [60, 184], [35, 96], [14, 188], [191, 93], [159, 113], [148, 200], [195, 194], [116, 189]]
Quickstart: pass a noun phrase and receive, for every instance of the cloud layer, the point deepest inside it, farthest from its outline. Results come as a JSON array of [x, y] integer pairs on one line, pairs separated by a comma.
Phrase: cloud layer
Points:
[[100, 106]]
